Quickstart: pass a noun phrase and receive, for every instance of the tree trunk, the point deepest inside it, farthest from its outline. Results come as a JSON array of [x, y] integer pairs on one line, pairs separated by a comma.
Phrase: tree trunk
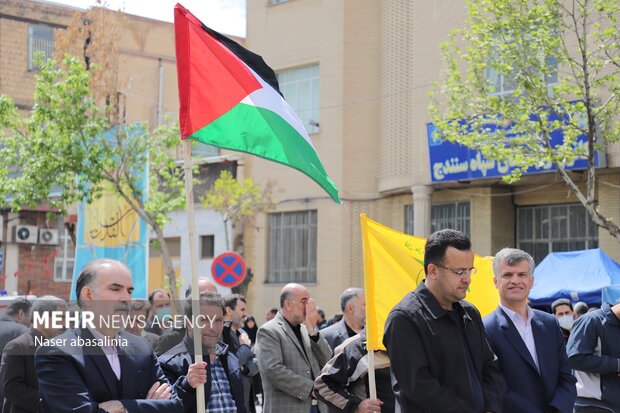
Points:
[[169, 268], [589, 202]]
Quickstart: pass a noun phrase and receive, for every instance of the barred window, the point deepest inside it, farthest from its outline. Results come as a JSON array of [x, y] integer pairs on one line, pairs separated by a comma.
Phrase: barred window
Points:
[[555, 228], [40, 40], [292, 247], [453, 215]]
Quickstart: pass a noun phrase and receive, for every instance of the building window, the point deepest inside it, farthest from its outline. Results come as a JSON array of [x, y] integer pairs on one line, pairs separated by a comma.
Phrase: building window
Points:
[[202, 150], [409, 219], [63, 263], [207, 246], [453, 215], [40, 40], [504, 84], [292, 247], [555, 228], [173, 244], [301, 89]]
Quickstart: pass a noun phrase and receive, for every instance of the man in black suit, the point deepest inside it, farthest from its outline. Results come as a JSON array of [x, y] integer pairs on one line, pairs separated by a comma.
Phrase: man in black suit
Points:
[[102, 368], [13, 324], [18, 378], [353, 305]]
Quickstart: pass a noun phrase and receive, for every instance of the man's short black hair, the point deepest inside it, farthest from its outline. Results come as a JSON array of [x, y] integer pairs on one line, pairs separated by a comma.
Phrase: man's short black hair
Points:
[[231, 300], [438, 243], [159, 290], [559, 302], [18, 305]]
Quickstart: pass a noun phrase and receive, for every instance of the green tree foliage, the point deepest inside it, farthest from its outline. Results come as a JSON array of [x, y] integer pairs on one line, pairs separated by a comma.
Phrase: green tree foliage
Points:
[[61, 146], [238, 202], [517, 61]]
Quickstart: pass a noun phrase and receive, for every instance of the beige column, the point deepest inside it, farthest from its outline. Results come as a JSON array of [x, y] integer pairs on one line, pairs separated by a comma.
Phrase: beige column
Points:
[[422, 210]]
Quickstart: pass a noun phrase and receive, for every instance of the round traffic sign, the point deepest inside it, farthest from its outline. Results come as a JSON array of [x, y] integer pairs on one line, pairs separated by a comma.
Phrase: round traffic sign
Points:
[[228, 269]]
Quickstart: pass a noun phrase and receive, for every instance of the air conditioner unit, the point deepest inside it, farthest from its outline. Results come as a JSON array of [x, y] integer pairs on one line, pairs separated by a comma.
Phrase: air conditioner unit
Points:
[[48, 236], [25, 234]]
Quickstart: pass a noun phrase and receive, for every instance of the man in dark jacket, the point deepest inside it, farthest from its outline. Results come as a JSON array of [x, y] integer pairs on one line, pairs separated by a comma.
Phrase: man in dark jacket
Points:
[[343, 383], [440, 358], [18, 377], [13, 324], [594, 353], [221, 375], [239, 344]]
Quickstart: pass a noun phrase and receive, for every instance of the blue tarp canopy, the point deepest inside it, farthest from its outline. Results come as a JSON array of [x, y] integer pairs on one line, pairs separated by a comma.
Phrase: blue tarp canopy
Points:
[[576, 275]]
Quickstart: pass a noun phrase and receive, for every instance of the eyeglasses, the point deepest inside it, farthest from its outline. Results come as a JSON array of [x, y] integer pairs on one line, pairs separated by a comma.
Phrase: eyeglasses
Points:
[[460, 272]]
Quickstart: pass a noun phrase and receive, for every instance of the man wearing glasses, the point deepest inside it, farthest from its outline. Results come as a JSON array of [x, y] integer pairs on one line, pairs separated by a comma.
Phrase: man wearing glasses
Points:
[[441, 361]]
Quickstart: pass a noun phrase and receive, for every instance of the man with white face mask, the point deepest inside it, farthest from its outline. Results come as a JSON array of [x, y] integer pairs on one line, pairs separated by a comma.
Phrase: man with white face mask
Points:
[[562, 309]]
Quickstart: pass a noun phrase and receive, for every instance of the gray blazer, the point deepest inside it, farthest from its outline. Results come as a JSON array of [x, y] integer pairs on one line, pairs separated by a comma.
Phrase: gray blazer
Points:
[[286, 372], [336, 334]]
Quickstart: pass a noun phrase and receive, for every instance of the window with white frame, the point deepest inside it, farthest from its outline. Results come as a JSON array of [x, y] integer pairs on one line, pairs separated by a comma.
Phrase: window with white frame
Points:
[[409, 219], [301, 89], [40, 40], [504, 84], [454, 215], [63, 263], [292, 247], [555, 228]]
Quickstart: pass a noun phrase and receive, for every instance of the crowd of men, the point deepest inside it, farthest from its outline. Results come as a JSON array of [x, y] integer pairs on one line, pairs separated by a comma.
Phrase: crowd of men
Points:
[[442, 356]]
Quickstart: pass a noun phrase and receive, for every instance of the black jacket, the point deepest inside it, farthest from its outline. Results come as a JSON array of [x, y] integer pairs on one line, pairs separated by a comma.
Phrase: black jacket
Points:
[[18, 378], [176, 361], [428, 356]]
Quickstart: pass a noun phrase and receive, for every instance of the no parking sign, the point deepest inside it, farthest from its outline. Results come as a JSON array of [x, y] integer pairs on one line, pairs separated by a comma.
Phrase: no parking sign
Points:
[[228, 269]]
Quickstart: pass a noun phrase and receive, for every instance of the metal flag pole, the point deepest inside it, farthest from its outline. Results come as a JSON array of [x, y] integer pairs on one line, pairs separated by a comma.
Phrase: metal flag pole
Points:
[[189, 196]]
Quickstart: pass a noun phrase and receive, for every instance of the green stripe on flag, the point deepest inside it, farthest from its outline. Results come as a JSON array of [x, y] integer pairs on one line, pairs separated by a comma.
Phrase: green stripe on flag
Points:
[[262, 132]]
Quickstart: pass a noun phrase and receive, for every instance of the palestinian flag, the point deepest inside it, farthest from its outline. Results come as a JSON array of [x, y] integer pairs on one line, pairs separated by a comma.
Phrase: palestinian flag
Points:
[[230, 98]]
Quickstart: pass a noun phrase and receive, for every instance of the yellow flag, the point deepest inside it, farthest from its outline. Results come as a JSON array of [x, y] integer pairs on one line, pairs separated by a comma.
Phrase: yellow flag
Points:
[[394, 266]]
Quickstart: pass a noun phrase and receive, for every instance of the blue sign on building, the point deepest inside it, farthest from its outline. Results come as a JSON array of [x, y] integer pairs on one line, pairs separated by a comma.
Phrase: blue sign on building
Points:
[[455, 162]]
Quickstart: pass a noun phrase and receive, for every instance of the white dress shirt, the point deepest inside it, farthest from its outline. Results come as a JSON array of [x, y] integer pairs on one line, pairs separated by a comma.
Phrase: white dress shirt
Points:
[[111, 354]]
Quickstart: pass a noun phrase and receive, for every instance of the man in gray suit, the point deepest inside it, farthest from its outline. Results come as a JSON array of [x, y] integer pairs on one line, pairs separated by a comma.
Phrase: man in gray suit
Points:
[[353, 305], [290, 354]]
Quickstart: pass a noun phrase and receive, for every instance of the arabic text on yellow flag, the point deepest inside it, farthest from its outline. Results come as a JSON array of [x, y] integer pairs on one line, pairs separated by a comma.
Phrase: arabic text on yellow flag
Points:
[[110, 221], [394, 266]]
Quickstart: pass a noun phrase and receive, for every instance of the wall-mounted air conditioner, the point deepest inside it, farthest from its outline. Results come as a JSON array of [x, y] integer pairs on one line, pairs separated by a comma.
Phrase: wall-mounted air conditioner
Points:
[[25, 234], [48, 236]]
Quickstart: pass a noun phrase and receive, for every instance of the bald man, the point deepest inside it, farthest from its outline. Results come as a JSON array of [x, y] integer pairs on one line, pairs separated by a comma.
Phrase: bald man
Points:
[[102, 369], [291, 352]]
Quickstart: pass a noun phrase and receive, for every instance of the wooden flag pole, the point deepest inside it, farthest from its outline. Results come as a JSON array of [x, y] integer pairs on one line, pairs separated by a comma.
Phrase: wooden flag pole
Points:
[[372, 384], [189, 196]]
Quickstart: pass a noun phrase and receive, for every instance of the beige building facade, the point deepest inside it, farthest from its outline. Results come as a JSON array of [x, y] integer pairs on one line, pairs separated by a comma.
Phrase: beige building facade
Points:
[[148, 86], [359, 74]]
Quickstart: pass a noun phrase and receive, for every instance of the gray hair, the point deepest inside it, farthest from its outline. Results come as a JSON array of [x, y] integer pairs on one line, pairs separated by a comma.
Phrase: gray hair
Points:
[[348, 295], [47, 304], [511, 256]]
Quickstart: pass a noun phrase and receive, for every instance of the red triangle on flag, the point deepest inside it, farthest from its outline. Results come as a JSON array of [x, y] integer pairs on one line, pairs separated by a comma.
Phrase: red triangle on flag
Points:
[[212, 80]]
